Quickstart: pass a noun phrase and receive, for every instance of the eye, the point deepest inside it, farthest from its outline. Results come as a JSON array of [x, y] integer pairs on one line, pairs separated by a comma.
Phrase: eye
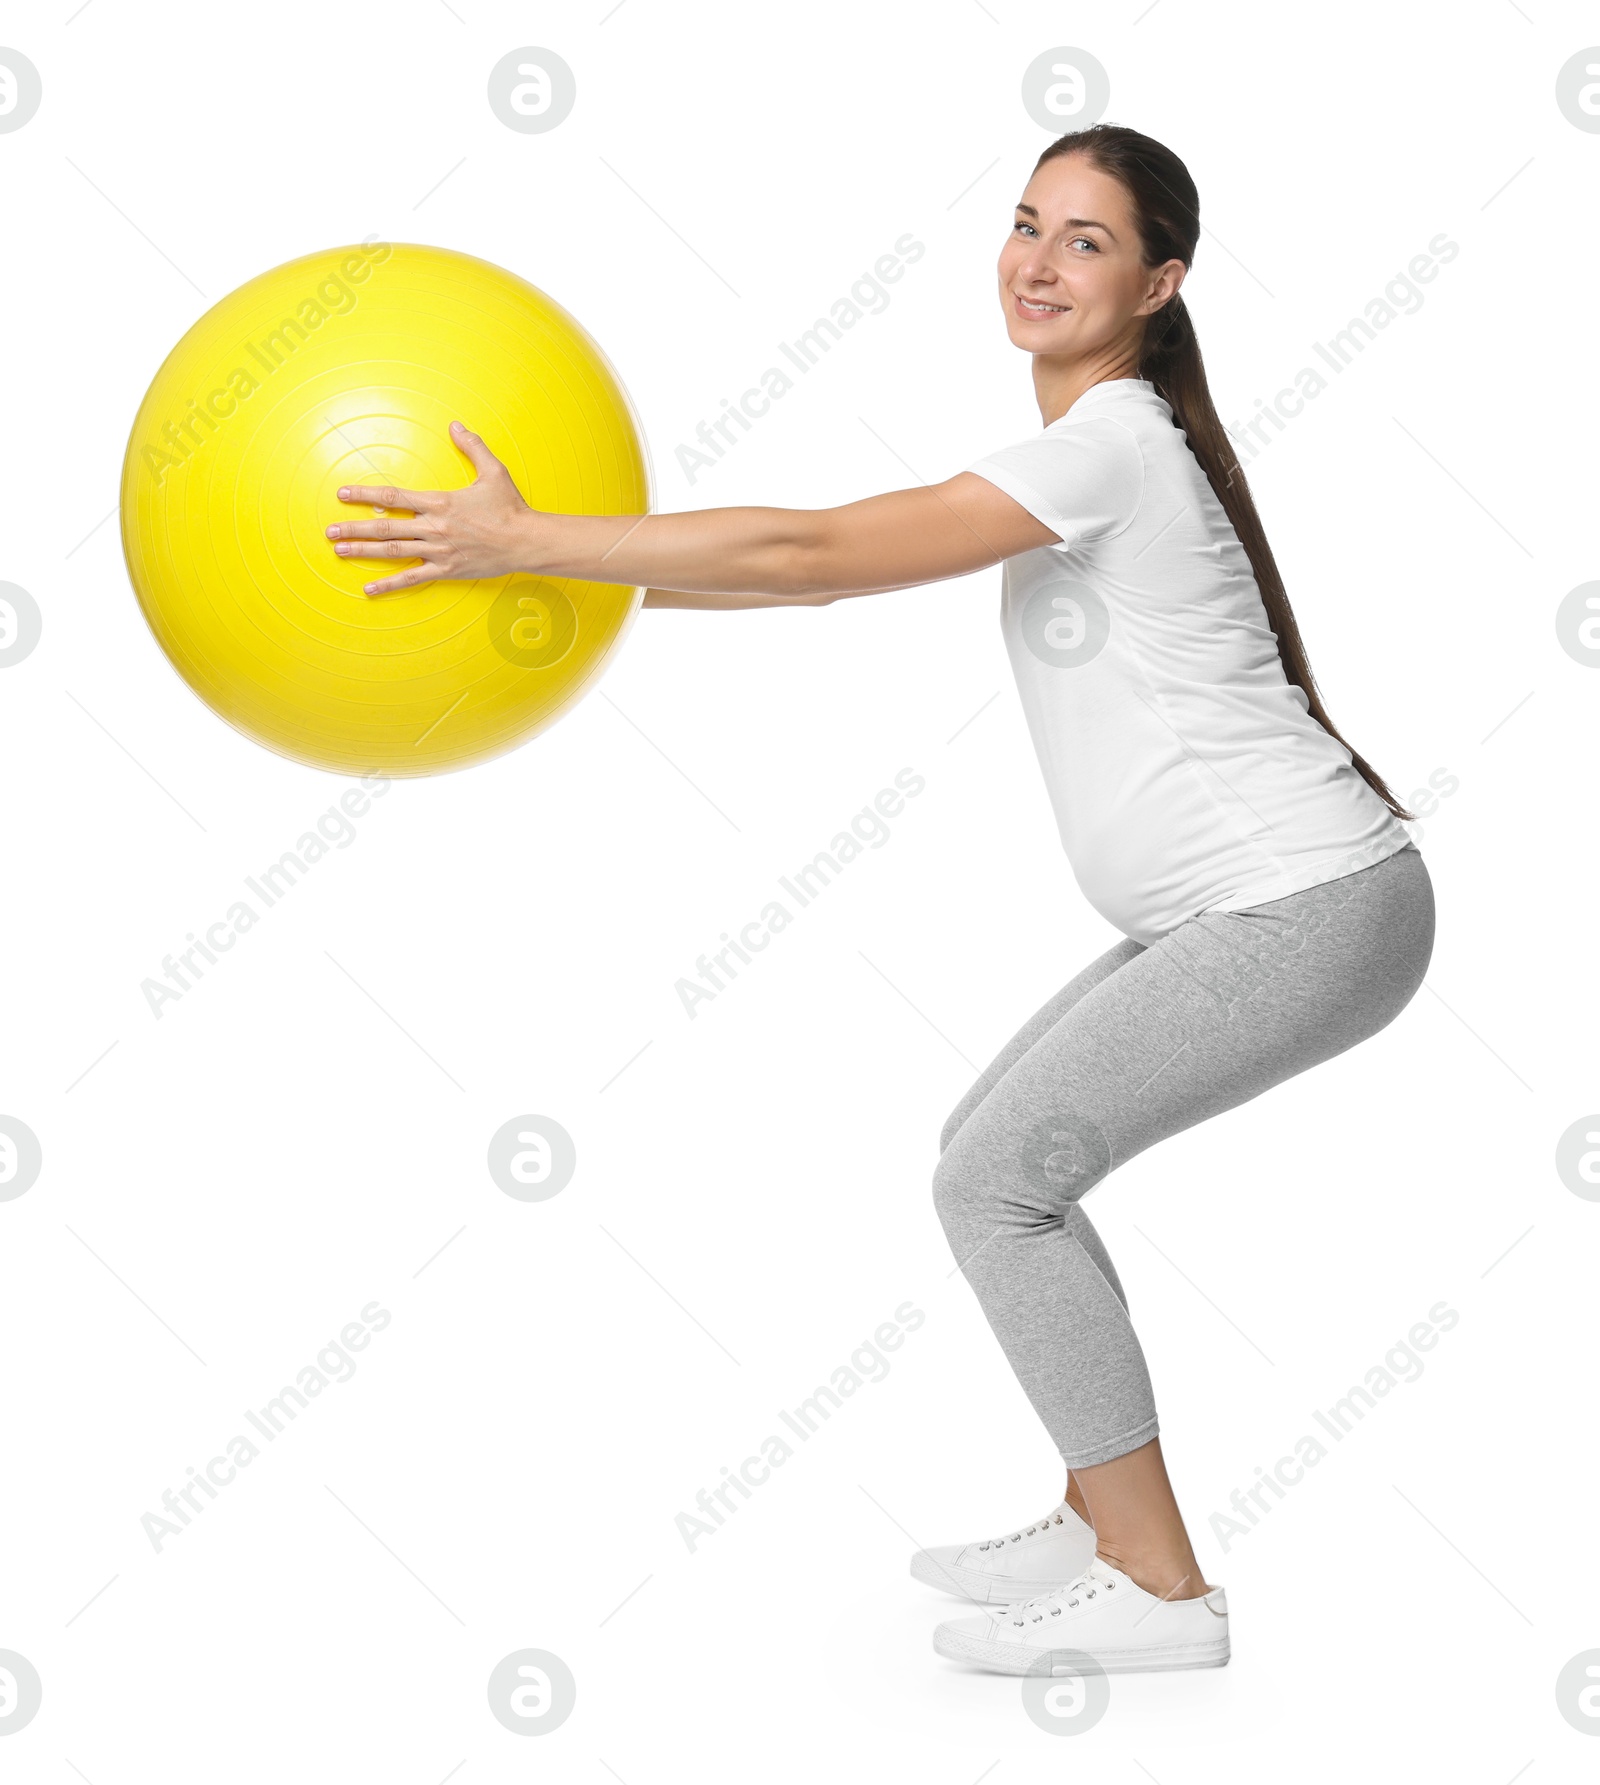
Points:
[[1019, 224], [1089, 239]]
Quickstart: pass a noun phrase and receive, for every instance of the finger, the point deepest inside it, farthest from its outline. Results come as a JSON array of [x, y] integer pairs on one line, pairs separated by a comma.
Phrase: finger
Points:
[[386, 495], [483, 461], [387, 527], [407, 579], [382, 548]]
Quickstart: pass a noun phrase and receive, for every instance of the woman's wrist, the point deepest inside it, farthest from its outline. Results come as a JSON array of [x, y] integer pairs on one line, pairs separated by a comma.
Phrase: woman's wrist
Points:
[[573, 545], [535, 545]]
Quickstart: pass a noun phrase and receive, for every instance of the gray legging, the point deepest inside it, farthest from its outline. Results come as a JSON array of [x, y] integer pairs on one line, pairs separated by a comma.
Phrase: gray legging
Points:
[[1144, 1043]]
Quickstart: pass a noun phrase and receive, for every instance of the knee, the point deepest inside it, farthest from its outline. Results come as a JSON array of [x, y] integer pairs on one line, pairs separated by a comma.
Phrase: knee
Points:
[[963, 1185], [1066, 1156], [950, 1188], [962, 1113], [1001, 1172], [951, 1129]]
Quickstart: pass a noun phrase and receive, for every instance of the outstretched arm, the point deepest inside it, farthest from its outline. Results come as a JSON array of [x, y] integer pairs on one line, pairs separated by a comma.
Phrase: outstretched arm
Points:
[[742, 557], [722, 601]]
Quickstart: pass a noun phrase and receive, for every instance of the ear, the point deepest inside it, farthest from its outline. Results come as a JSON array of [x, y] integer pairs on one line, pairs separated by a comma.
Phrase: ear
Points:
[[1168, 281]]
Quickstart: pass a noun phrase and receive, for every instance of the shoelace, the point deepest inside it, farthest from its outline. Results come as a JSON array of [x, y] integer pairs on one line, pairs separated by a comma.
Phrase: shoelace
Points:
[[1049, 1605], [1036, 1529]]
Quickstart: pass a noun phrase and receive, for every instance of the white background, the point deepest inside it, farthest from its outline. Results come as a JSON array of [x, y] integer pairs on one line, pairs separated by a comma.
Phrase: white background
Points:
[[304, 1131]]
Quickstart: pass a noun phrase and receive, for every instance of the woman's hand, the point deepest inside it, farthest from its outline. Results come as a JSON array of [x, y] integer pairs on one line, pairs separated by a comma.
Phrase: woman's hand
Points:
[[482, 530]]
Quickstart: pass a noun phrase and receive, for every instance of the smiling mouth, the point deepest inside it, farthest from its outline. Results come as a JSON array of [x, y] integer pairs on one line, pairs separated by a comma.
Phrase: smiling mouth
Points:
[[1039, 312]]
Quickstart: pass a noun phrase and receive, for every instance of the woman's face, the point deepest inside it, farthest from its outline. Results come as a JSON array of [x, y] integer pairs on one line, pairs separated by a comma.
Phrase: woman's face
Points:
[[1072, 276]]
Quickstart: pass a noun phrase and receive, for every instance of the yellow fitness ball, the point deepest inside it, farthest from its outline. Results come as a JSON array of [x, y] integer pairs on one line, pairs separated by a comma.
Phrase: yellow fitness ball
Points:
[[347, 367]]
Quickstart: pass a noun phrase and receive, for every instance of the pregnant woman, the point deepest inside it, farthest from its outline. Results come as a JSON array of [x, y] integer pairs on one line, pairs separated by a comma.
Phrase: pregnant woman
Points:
[[1272, 909]]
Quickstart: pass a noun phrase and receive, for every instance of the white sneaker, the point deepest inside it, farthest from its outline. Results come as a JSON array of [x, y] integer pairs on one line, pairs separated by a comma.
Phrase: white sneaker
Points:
[[1048, 1554], [1102, 1614]]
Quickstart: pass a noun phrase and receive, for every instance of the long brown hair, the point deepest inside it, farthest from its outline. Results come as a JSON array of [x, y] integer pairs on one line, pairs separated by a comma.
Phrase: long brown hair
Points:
[[1166, 209]]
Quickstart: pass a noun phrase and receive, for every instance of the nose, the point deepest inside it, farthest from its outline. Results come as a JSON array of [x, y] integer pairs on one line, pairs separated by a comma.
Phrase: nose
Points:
[[1034, 268]]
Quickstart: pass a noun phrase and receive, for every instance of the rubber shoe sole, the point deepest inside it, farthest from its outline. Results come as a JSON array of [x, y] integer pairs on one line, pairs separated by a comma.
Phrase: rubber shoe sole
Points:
[[1008, 1657]]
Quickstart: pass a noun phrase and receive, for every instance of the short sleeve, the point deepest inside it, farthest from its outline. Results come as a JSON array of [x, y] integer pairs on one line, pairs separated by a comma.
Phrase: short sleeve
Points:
[[1083, 479]]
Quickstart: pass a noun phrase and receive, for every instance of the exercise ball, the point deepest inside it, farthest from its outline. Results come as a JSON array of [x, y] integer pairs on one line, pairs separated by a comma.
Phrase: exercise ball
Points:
[[347, 367]]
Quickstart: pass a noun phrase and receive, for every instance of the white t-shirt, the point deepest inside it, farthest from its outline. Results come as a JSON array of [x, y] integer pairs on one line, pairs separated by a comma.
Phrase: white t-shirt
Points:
[[1185, 770]]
